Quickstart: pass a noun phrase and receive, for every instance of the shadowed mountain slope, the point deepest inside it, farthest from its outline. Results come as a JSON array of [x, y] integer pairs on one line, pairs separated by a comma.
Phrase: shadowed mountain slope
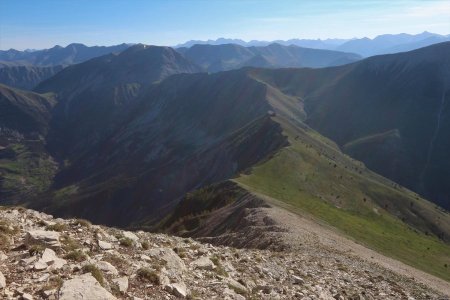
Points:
[[25, 166], [167, 145], [100, 89], [25, 76]]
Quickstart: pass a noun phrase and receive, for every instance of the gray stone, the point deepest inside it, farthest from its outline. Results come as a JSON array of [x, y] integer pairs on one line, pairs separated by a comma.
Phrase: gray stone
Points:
[[26, 296], [122, 283], [130, 235], [178, 289], [42, 237], [104, 245], [107, 267], [297, 280], [82, 288], [203, 263], [51, 259], [173, 262]]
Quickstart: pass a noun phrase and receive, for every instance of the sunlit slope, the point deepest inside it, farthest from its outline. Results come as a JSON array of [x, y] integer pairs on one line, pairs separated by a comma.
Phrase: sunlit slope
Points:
[[312, 176]]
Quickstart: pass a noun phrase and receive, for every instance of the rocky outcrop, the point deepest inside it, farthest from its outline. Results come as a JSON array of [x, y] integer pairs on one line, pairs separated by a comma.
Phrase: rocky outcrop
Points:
[[226, 214], [84, 287], [142, 265], [42, 237]]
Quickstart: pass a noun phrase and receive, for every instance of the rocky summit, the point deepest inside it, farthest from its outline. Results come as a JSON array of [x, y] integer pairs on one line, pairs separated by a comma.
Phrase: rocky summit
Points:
[[43, 257]]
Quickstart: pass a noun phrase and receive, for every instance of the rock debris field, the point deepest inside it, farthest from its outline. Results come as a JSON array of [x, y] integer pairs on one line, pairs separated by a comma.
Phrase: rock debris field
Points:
[[46, 258]]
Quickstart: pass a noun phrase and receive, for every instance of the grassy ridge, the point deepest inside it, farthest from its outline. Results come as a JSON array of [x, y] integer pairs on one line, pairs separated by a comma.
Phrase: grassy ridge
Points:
[[345, 196]]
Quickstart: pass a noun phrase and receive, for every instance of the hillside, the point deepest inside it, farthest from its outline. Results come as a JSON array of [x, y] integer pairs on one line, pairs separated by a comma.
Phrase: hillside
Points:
[[216, 58], [47, 258], [25, 76], [25, 166], [394, 119], [100, 90]]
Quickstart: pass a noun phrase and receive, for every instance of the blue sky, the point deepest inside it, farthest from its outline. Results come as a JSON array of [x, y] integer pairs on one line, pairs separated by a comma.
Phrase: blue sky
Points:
[[44, 23]]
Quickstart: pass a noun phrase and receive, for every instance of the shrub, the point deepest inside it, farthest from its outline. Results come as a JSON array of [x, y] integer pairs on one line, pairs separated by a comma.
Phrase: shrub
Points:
[[95, 272], [69, 244], [220, 270], [76, 255], [4, 241], [81, 222], [148, 275], [36, 249], [57, 227], [55, 282], [145, 245], [126, 242], [6, 228], [115, 260]]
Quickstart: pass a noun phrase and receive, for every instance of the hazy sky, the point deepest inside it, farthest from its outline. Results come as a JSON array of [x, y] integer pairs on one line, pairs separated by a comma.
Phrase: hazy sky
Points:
[[45, 23]]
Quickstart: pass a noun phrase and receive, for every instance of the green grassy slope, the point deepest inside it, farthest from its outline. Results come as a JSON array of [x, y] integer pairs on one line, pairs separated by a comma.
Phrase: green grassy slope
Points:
[[312, 176]]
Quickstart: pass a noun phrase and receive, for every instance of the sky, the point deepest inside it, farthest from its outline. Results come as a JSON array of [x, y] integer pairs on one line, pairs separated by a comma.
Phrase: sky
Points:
[[37, 24]]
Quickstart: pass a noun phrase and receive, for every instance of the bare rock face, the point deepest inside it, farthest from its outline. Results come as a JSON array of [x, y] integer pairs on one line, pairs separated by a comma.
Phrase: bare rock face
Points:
[[42, 237], [84, 287]]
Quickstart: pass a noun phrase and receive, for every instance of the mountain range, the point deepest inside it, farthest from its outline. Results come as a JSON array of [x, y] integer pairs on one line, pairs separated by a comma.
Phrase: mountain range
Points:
[[215, 58], [27, 69], [145, 139], [71, 54], [382, 44]]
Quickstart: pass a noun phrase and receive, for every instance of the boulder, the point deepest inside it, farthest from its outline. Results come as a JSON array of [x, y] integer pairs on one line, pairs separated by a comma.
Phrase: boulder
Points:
[[173, 261], [42, 237], [104, 245], [122, 283], [106, 267], [84, 287], [203, 263], [130, 236], [178, 289], [49, 258]]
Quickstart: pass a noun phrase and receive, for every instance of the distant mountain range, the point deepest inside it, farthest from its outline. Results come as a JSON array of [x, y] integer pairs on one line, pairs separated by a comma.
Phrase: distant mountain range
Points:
[[26, 69], [307, 43], [215, 58], [69, 55], [382, 44]]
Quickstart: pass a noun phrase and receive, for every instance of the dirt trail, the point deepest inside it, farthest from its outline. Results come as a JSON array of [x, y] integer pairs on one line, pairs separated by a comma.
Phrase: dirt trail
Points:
[[307, 234]]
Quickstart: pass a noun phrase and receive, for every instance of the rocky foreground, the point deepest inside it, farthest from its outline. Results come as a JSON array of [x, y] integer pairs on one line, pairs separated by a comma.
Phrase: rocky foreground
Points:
[[46, 258]]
